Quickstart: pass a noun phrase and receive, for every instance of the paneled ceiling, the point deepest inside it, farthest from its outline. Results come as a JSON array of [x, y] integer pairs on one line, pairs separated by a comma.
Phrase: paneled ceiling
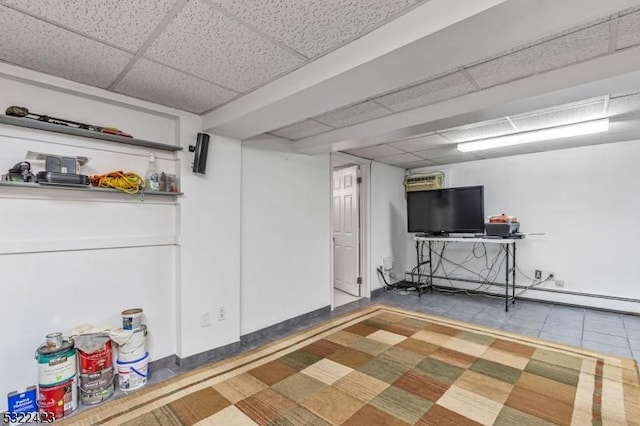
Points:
[[399, 81]]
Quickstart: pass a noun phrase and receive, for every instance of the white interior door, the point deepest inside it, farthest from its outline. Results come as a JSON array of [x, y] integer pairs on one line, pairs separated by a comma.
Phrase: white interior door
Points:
[[345, 230]]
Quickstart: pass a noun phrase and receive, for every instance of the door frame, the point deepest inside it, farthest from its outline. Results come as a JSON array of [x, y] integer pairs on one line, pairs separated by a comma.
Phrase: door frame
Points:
[[339, 160]]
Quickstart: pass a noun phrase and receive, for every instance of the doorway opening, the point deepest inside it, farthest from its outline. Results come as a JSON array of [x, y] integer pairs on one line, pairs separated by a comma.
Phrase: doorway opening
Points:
[[349, 228]]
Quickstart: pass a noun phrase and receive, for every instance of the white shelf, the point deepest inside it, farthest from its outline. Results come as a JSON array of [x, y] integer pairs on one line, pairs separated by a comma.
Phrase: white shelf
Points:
[[470, 240], [67, 130], [85, 188]]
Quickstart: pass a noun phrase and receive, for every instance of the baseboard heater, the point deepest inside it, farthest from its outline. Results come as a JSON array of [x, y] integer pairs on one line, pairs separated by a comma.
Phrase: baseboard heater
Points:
[[548, 290]]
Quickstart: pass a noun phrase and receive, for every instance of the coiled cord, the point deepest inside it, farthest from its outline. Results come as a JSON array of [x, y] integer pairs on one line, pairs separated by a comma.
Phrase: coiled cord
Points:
[[128, 182]]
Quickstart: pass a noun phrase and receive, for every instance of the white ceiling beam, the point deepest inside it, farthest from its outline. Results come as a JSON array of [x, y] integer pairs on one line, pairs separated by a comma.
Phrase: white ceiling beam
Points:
[[419, 23], [600, 76], [436, 37]]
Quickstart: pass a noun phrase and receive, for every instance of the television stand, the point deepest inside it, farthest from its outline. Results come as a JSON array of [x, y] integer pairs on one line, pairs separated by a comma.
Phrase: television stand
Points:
[[506, 244]]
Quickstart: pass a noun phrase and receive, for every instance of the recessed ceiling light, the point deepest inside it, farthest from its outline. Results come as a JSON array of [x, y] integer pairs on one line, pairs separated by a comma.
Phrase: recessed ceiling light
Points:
[[560, 132]]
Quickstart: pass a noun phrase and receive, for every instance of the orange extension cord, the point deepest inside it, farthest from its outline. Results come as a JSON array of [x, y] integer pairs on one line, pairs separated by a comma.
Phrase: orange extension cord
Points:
[[128, 182]]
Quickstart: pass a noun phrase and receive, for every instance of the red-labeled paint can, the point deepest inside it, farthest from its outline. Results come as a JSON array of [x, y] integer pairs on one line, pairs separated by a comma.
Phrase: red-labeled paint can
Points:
[[58, 401], [97, 361]]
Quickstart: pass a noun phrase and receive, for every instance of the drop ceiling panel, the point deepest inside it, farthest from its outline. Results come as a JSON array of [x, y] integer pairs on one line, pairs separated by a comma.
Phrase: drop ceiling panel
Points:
[[416, 164], [624, 105], [552, 54], [204, 42], [375, 151], [479, 131], [420, 144], [432, 91], [353, 115], [461, 158], [314, 28], [35, 44], [559, 116], [447, 155], [628, 31], [157, 83], [126, 24], [302, 130], [398, 159]]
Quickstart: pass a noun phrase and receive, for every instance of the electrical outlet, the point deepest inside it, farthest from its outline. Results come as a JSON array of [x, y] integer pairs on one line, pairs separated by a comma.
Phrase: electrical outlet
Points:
[[222, 313], [560, 283], [205, 319], [538, 274]]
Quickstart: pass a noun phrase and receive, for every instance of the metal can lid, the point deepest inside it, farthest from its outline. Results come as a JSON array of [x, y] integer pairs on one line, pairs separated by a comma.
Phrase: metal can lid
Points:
[[132, 311], [45, 350]]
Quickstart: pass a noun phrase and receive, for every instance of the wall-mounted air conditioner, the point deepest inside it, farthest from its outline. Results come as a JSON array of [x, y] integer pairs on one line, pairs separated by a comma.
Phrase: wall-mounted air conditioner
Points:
[[424, 182]]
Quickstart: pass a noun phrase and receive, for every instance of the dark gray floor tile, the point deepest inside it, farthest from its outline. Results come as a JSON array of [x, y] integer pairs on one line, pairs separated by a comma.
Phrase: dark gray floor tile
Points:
[[526, 322], [610, 329], [631, 322], [569, 340], [565, 308], [608, 349], [160, 375], [557, 315], [634, 340], [591, 314], [498, 314], [562, 330], [459, 315], [605, 339], [563, 325], [522, 330], [489, 322], [527, 313]]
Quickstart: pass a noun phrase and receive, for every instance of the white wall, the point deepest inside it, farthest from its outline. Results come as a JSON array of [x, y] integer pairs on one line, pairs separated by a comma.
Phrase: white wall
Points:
[[70, 257], [388, 220], [285, 236], [585, 200], [210, 249]]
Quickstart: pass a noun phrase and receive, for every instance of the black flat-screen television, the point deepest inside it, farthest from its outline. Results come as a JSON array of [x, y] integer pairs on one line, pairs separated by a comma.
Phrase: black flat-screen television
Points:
[[446, 211]]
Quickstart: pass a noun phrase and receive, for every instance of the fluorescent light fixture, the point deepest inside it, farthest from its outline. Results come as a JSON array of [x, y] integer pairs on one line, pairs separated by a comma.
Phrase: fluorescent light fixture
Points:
[[577, 129]]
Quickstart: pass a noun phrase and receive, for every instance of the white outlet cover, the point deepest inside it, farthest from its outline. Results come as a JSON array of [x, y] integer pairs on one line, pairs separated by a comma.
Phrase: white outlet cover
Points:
[[205, 319]]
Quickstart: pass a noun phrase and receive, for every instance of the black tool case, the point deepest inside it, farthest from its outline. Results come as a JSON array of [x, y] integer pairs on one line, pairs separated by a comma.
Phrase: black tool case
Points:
[[55, 178]]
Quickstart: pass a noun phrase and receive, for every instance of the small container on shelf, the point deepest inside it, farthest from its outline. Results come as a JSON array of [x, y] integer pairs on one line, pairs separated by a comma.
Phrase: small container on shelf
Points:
[[172, 183]]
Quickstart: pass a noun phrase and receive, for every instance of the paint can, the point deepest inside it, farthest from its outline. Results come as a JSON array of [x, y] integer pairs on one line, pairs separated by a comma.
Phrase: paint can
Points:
[[56, 366], [133, 375], [54, 340], [90, 383], [132, 319], [98, 360], [97, 387], [59, 400], [97, 396], [136, 347]]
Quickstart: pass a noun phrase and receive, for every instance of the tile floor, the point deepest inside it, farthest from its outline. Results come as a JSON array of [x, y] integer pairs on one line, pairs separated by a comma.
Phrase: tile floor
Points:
[[608, 332], [341, 298]]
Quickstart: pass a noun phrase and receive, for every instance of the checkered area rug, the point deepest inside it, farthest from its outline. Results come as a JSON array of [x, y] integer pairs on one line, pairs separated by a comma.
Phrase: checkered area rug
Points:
[[386, 366]]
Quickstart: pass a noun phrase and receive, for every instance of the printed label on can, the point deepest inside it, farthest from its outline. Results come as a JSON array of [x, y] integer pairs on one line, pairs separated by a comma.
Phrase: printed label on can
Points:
[[56, 368], [58, 401]]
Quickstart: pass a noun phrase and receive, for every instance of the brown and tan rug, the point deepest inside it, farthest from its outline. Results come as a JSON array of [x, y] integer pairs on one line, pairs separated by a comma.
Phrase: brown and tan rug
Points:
[[387, 366]]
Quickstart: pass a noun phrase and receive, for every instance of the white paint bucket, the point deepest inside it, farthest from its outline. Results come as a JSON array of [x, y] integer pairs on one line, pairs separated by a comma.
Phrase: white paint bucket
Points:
[[133, 374], [136, 347], [132, 319]]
